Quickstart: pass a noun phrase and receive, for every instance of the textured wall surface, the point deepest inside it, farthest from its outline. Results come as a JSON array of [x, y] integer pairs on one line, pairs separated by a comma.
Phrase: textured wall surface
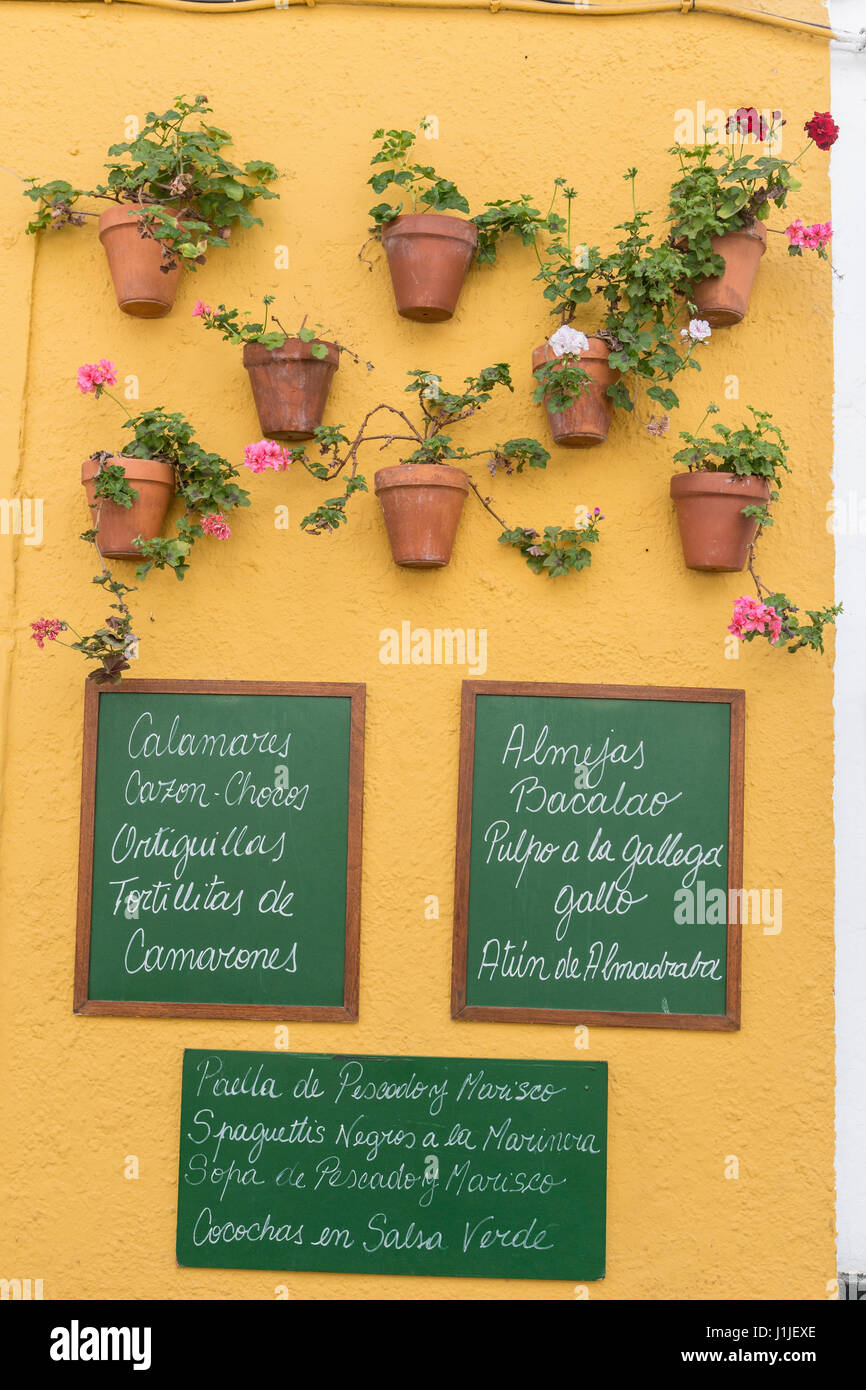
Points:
[[519, 99]]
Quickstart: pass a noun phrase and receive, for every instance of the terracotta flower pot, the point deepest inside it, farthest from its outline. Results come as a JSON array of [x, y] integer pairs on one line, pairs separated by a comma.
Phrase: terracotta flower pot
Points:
[[290, 386], [723, 299], [421, 504], [587, 421], [142, 288], [118, 526], [714, 533], [428, 254]]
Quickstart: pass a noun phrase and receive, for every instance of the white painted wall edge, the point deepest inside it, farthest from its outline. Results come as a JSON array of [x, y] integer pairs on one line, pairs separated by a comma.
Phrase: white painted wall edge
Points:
[[848, 180]]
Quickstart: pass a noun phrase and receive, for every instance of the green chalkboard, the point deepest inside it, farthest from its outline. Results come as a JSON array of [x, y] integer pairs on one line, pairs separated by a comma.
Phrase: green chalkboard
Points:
[[219, 871], [599, 855], [393, 1165]]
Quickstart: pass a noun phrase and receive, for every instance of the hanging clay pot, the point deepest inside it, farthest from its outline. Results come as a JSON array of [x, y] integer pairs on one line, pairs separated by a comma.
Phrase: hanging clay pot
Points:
[[118, 526], [143, 289], [587, 421], [714, 533], [290, 386], [723, 299], [428, 254], [421, 504]]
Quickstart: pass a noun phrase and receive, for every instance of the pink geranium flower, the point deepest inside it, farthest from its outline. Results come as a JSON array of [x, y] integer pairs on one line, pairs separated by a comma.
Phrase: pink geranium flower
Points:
[[215, 525], [812, 238], [92, 376], [267, 454], [201, 309], [46, 629], [751, 615]]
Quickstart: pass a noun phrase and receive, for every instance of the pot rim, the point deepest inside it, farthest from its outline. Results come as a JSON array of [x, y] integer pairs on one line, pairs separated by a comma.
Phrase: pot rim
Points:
[[755, 229], [431, 224], [756, 232], [118, 214], [292, 350], [545, 352], [152, 470], [420, 475], [713, 484]]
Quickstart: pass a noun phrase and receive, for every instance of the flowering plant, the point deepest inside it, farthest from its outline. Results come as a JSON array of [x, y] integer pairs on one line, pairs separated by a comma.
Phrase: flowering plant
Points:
[[431, 193], [234, 329], [187, 195], [557, 552], [203, 481], [774, 616], [110, 645], [638, 283], [562, 380], [757, 450], [723, 187]]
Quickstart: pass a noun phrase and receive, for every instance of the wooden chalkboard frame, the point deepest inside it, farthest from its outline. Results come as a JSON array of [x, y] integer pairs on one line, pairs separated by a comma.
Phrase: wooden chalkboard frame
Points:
[[330, 1013], [729, 1021]]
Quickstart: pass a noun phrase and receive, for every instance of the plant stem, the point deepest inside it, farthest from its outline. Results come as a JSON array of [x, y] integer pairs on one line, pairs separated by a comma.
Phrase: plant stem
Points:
[[485, 502], [761, 590]]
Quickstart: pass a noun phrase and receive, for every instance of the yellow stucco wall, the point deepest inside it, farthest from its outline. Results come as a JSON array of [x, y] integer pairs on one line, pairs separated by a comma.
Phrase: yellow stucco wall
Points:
[[520, 99]]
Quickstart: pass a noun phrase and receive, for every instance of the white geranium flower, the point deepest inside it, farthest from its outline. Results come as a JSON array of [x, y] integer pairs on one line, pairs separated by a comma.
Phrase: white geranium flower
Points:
[[568, 340], [698, 330], [580, 258]]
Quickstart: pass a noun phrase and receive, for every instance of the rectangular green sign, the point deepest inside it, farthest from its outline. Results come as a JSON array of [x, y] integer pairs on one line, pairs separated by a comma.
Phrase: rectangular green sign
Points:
[[599, 841], [481, 1167], [220, 850]]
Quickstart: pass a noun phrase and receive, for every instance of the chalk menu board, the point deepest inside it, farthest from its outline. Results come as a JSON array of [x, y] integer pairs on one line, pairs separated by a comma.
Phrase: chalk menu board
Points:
[[219, 871], [599, 854], [393, 1165]]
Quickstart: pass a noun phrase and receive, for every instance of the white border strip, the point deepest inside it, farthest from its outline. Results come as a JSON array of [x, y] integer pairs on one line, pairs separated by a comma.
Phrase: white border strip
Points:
[[848, 175]]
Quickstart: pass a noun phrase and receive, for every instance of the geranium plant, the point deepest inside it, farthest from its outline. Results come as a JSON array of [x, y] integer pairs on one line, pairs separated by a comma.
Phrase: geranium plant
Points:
[[429, 237], [774, 617], [761, 452], [187, 195], [203, 481], [638, 285], [555, 551], [727, 186], [290, 371], [724, 497], [238, 329], [397, 166], [109, 646], [755, 450]]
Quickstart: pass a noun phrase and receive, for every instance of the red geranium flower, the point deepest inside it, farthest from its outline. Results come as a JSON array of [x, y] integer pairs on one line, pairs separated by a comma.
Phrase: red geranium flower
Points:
[[747, 120], [822, 129]]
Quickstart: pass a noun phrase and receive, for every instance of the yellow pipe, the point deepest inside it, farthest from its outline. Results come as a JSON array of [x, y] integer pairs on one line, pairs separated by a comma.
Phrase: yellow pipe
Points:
[[521, 6]]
